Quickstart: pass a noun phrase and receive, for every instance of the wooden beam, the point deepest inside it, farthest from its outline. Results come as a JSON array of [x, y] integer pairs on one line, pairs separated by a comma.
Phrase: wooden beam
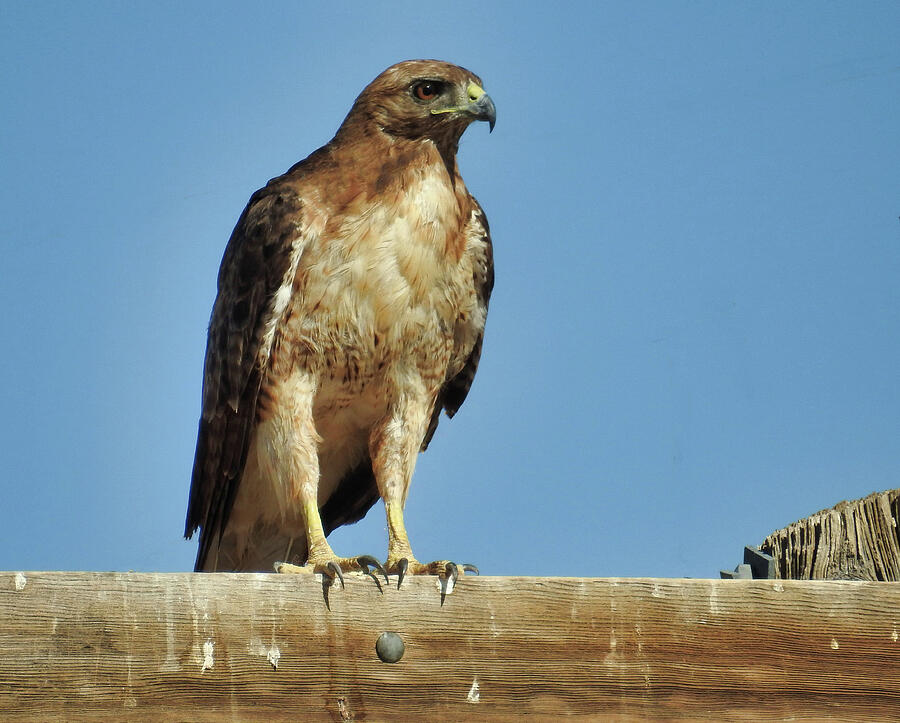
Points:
[[253, 646]]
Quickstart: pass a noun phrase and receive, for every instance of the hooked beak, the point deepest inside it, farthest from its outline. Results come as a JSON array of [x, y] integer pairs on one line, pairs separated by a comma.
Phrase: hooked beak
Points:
[[480, 106]]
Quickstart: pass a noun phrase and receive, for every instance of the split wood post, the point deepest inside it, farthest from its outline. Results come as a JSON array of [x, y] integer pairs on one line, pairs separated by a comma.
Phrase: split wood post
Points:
[[855, 540]]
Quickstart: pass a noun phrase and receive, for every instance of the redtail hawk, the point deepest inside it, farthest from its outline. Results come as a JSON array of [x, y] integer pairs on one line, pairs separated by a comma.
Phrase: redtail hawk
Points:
[[351, 306]]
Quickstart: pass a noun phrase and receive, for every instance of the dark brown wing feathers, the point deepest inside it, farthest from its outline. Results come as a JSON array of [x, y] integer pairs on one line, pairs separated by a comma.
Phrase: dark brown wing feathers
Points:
[[455, 389], [256, 260], [354, 496]]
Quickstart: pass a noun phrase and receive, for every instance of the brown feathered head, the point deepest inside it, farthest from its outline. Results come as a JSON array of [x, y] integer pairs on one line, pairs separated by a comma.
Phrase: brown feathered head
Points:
[[423, 99]]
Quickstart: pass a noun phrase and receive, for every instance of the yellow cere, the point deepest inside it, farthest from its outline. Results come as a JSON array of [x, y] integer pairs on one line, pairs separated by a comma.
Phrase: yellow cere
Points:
[[475, 91]]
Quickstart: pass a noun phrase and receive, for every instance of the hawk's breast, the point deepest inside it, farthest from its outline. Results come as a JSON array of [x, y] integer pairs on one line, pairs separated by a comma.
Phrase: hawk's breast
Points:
[[382, 288]]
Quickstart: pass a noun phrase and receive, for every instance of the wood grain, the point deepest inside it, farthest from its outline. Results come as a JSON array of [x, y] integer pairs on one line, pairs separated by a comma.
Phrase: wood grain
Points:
[[136, 646]]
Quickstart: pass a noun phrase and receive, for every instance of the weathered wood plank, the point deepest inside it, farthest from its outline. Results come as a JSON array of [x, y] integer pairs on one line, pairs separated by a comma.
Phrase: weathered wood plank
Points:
[[227, 646], [857, 540]]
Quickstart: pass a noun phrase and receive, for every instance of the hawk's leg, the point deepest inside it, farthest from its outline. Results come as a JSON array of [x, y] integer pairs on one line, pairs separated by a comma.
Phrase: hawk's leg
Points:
[[394, 446], [290, 454]]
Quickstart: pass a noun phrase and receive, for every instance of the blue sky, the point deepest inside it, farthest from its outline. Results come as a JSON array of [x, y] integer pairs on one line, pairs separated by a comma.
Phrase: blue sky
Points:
[[695, 333]]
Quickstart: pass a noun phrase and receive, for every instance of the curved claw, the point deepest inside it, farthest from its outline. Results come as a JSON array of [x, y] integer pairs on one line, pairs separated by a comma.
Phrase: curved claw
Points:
[[336, 571], [449, 581], [367, 560], [402, 567], [470, 568], [452, 571]]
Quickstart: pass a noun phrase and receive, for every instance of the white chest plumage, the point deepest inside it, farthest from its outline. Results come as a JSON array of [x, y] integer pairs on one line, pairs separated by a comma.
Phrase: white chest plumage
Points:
[[382, 288]]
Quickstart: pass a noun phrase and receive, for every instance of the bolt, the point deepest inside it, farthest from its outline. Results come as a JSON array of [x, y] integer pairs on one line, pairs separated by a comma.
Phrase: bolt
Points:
[[389, 647]]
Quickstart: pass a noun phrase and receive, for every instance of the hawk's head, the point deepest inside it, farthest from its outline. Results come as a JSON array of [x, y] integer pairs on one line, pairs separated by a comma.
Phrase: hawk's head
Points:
[[424, 99]]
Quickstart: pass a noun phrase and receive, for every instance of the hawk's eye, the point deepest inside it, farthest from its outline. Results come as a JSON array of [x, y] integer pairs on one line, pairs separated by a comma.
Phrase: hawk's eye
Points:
[[427, 90]]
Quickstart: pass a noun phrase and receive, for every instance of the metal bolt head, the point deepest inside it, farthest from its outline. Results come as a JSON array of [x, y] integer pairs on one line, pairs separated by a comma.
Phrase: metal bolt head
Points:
[[389, 647]]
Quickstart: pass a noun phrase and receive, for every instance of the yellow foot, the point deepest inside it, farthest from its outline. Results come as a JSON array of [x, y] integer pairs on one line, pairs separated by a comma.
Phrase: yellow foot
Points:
[[334, 567], [445, 569]]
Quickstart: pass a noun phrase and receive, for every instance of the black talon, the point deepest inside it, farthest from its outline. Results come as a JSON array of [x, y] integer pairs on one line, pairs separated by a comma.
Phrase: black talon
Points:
[[402, 567], [364, 564], [470, 568], [445, 581], [336, 569], [452, 571], [366, 560]]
